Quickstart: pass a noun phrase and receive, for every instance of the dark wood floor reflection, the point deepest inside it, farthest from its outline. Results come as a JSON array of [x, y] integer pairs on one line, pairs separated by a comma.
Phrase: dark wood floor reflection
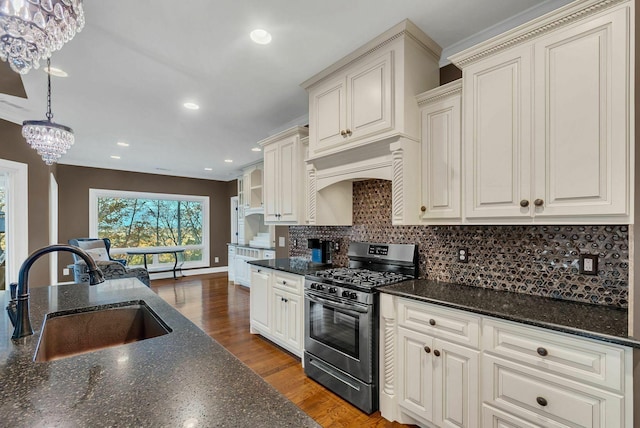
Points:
[[221, 309]]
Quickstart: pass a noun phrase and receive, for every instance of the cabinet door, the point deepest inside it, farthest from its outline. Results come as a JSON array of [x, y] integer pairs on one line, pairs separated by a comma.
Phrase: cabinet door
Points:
[[497, 134], [280, 315], [328, 116], [441, 185], [582, 116], [270, 187], [259, 298], [456, 389], [370, 97], [416, 372], [289, 181], [294, 321]]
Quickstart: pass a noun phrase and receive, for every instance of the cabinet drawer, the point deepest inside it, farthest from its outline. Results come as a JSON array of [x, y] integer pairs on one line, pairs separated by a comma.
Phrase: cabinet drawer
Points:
[[548, 399], [495, 418], [450, 324], [268, 254], [285, 281], [581, 359]]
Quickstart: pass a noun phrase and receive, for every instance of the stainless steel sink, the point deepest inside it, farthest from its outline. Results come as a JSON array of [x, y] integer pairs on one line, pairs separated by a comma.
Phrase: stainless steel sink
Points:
[[78, 331]]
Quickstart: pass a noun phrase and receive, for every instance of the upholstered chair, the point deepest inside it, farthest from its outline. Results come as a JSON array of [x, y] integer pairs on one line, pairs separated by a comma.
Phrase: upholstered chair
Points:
[[98, 249]]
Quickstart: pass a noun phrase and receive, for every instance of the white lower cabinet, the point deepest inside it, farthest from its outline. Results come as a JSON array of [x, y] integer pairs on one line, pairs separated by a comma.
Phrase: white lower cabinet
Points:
[[439, 381], [442, 367], [287, 313], [276, 310], [259, 298]]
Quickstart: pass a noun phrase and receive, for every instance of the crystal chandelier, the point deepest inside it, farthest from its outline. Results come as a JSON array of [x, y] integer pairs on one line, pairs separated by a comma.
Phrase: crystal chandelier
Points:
[[30, 30], [49, 139]]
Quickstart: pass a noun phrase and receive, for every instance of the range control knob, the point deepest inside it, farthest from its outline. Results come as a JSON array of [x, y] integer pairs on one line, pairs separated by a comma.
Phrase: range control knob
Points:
[[353, 295], [345, 294], [314, 285], [333, 290], [320, 287]]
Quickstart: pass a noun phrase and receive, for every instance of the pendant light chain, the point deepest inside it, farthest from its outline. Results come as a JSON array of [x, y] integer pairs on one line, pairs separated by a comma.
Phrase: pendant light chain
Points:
[[49, 114]]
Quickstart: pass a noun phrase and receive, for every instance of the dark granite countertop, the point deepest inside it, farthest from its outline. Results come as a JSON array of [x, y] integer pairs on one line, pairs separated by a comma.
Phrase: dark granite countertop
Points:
[[183, 378], [594, 321], [297, 266]]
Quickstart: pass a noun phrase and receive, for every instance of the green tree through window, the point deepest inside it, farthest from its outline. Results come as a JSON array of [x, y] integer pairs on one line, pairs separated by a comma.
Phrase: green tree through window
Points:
[[137, 222]]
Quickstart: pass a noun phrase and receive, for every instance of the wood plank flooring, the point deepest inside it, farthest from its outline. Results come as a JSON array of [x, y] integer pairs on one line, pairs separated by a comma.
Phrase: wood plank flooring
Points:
[[221, 309]]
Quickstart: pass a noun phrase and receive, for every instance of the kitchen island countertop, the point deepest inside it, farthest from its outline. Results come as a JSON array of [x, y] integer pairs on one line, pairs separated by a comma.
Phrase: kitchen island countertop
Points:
[[183, 378], [598, 322]]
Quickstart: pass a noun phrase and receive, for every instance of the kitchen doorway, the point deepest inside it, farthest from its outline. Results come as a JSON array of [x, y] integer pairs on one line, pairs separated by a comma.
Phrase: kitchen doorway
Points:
[[14, 236]]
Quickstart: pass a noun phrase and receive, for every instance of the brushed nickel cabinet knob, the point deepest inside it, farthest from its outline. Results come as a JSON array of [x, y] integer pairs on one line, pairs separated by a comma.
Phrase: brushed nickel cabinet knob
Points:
[[524, 203], [538, 202]]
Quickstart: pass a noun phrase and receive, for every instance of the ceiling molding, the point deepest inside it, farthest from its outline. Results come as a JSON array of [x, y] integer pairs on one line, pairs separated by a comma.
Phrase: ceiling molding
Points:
[[501, 27]]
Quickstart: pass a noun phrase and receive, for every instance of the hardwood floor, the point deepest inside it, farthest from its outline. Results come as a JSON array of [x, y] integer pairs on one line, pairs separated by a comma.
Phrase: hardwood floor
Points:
[[221, 309]]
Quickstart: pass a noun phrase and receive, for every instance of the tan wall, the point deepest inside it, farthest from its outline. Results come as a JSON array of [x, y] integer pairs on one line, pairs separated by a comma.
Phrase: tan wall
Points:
[[14, 148], [74, 183]]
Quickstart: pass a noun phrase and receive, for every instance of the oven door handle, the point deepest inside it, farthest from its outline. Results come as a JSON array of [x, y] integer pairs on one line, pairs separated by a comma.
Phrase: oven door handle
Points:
[[334, 304]]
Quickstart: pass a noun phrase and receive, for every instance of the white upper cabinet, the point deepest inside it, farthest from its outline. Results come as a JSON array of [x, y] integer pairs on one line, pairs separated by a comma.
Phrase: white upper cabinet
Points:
[[582, 118], [497, 103], [547, 114], [369, 95], [348, 108], [440, 119], [284, 177]]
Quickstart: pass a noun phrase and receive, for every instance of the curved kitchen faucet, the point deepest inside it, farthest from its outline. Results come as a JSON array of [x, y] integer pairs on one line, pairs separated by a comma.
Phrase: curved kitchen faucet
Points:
[[18, 307]]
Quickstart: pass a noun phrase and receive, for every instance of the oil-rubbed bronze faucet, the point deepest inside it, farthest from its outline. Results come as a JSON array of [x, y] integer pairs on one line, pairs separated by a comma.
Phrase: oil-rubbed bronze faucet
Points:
[[18, 307]]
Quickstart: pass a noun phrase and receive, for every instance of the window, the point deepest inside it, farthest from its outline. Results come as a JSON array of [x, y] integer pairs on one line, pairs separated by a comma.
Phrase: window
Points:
[[134, 220]]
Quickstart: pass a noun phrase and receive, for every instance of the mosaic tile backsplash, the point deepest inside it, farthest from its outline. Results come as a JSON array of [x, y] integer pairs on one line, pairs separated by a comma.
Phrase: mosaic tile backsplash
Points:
[[538, 260]]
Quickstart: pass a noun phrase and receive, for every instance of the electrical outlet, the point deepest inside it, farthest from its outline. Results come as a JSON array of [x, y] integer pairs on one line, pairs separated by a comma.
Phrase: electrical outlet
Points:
[[216, 259], [589, 264], [295, 242], [336, 246], [463, 255], [65, 271], [281, 241]]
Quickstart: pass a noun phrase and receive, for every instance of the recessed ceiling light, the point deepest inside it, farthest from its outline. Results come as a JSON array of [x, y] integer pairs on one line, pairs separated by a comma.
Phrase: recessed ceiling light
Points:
[[191, 106], [228, 160], [115, 157], [122, 144], [55, 71], [208, 169], [260, 36], [256, 149]]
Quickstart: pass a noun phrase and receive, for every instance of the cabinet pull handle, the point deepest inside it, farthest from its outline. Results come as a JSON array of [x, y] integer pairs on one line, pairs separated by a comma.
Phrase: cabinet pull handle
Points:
[[348, 131], [423, 208], [259, 271], [427, 349], [541, 401], [524, 203], [542, 352], [436, 353], [432, 321], [284, 282], [343, 133], [538, 202]]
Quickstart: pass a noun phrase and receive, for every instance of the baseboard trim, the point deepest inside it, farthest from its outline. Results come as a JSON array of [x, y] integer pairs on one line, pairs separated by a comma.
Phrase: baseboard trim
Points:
[[187, 272]]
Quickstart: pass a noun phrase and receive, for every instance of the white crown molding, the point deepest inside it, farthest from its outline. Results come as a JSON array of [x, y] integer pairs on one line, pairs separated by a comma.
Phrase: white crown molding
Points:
[[568, 14], [440, 92], [405, 29], [501, 27], [296, 130]]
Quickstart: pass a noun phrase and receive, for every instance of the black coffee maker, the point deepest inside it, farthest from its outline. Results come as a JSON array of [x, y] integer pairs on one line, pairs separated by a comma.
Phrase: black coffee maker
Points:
[[320, 250]]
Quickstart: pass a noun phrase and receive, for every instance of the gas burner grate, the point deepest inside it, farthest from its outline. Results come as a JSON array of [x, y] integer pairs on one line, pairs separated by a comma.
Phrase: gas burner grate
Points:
[[361, 277]]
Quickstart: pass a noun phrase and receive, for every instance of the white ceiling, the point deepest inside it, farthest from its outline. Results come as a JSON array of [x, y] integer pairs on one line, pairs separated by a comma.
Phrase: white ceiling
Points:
[[136, 62]]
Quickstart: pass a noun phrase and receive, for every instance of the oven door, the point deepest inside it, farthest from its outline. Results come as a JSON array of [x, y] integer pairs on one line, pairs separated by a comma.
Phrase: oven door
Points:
[[340, 333]]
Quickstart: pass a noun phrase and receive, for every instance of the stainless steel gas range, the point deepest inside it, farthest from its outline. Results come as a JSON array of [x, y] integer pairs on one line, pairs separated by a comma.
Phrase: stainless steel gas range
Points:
[[341, 325]]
